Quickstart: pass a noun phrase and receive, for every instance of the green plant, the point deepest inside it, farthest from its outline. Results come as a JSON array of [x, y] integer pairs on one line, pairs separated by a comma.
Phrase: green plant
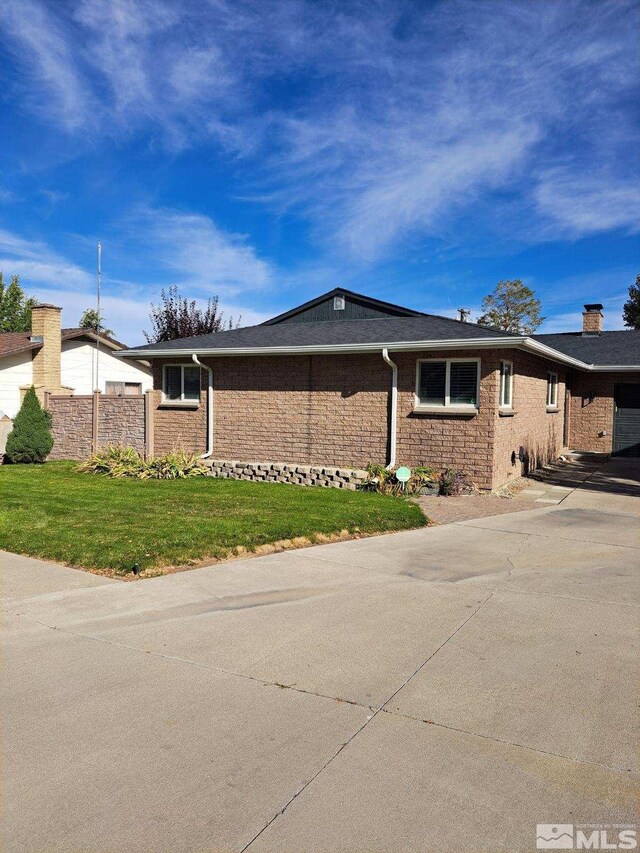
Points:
[[384, 481], [453, 483], [115, 460], [15, 307], [30, 439], [512, 306], [176, 465], [119, 461], [52, 512]]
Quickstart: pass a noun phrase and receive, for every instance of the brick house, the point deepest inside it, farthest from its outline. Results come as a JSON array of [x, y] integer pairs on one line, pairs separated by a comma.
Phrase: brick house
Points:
[[346, 380], [63, 361]]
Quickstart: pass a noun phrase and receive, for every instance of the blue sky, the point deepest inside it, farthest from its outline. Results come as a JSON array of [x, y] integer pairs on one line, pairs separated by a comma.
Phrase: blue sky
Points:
[[267, 151]]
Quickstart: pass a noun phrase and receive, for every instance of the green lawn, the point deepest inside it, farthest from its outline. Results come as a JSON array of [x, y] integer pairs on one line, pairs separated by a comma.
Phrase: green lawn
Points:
[[89, 520]]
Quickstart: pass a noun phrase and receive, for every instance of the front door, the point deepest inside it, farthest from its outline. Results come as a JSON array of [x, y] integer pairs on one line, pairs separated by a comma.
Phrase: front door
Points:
[[626, 420]]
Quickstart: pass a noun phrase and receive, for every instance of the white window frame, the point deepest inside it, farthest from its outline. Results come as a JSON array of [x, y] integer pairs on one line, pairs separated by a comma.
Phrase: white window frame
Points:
[[552, 390], [461, 408], [339, 303], [503, 386], [181, 401]]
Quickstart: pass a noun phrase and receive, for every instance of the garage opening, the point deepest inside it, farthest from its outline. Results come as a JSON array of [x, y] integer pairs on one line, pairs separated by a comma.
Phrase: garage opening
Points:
[[626, 420]]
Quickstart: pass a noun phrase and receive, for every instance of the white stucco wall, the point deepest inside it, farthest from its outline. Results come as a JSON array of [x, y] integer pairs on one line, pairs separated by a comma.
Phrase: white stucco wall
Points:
[[15, 370], [78, 357]]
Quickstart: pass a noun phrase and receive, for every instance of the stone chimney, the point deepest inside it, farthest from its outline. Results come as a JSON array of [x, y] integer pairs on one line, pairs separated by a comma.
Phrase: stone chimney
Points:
[[45, 324], [592, 319]]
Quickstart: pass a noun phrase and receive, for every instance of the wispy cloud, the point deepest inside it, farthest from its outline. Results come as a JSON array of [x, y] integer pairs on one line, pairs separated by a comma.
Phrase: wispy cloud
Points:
[[188, 250], [43, 44], [374, 121], [579, 205], [36, 262], [197, 253]]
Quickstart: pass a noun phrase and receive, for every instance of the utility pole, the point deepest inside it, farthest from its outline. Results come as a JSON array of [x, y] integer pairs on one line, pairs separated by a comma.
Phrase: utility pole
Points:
[[97, 385]]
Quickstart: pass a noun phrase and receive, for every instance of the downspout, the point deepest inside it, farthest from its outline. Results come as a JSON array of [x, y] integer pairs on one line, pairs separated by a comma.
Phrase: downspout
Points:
[[394, 409], [209, 450]]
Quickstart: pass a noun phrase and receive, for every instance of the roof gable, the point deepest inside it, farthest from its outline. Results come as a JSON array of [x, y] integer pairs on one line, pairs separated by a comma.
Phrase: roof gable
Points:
[[355, 306]]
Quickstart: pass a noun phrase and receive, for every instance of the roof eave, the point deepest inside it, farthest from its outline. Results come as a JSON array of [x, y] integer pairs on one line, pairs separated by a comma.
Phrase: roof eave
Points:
[[616, 368], [525, 343], [17, 350], [327, 349]]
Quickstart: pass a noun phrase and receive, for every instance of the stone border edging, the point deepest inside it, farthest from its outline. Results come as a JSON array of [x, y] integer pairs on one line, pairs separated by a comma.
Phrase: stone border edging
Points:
[[280, 472]]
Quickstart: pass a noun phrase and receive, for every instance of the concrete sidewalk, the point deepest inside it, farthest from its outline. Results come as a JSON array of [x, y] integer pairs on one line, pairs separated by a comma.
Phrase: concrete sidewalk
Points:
[[443, 689]]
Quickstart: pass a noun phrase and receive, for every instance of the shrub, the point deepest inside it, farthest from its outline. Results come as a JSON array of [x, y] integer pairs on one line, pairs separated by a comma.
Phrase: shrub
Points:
[[30, 439], [384, 481], [454, 483], [176, 465], [120, 461], [116, 460]]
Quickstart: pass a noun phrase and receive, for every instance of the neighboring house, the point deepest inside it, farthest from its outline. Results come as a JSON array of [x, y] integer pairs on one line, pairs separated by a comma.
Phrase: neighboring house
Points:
[[390, 385], [63, 361]]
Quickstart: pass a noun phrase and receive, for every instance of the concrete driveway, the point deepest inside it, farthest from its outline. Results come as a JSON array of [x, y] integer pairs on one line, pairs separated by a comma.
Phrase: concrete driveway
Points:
[[439, 690]]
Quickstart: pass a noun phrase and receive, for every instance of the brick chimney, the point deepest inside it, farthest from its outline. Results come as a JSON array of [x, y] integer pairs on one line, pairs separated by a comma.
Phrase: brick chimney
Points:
[[45, 323], [592, 319]]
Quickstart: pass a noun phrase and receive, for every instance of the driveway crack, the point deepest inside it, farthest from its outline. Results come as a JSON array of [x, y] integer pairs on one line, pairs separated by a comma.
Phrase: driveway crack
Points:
[[512, 743], [361, 728]]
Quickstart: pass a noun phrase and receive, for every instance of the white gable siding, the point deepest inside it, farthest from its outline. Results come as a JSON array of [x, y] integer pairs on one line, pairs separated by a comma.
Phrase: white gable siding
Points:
[[15, 370], [78, 357]]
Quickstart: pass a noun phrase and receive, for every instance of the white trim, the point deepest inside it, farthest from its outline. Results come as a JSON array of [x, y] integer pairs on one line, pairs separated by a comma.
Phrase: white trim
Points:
[[181, 400], [552, 391], [392, 346], [209, 451], [447, 406], [615, 368], [394, 409], [501, 404]]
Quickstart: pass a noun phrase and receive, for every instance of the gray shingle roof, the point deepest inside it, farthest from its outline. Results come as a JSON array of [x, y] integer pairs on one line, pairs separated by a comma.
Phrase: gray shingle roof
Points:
[[335, 333], [608, 348]]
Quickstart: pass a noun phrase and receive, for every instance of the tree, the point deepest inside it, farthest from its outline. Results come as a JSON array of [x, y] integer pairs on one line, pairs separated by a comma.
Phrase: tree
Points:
[[30, 439], [15, 307], [512, 307], [631, 310], [177, 317], [90, 320]]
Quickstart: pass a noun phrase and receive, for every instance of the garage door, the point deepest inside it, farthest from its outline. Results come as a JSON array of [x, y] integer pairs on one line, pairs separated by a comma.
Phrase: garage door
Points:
[[626, 420]]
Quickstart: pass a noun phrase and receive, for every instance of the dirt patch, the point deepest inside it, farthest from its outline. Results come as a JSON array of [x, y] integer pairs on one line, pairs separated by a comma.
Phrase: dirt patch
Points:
[[440, 510]]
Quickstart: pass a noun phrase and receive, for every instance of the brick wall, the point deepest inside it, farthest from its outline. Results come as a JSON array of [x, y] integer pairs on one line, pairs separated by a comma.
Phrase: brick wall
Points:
[[176, 427], [535, 429], [332, 410], [313, 409], [444, 441], [121, 420], [591, 409]]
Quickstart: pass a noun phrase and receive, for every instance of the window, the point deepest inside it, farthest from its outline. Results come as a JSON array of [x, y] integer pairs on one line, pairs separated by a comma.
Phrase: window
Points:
[[338, 303], [123, 389], [181, 383], [506, 384], [450, 383], [552, 390]]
